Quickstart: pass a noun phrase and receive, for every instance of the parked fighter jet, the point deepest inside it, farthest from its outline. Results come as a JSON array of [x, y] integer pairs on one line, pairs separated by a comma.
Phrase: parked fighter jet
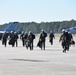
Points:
[[72, 30], [12, 26]]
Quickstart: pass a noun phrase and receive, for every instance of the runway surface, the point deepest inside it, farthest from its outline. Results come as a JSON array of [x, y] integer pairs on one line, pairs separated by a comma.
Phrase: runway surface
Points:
[[51, 61]]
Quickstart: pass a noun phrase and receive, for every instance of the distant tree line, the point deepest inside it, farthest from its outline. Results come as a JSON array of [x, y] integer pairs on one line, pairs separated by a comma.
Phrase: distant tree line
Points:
[[56, 27]]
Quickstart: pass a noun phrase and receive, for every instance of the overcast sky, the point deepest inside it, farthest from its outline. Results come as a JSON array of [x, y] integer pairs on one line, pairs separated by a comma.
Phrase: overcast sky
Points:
[[37, 10]]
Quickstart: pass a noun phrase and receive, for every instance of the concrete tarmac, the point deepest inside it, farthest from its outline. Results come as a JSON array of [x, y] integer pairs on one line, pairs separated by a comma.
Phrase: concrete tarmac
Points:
[[51, 61]]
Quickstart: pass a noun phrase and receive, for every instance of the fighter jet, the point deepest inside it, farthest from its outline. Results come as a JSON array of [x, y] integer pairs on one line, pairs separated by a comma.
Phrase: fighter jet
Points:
[[72, 30], [12, 26]]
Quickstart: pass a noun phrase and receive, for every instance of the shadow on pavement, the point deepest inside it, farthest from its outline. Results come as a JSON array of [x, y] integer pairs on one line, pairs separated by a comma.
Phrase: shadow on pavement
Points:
[[28, 60]]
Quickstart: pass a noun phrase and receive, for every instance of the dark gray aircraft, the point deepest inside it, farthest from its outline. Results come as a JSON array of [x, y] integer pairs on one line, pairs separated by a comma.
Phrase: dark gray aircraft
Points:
[[12, 26], [72, 30]]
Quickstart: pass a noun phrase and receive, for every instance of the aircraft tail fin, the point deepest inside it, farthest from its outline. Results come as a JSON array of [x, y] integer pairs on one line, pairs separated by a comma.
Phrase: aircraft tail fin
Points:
[[12, 26]]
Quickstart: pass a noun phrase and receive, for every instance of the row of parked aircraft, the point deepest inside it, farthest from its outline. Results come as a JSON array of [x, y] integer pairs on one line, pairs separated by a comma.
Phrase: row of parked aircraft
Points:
[[13, 26]]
